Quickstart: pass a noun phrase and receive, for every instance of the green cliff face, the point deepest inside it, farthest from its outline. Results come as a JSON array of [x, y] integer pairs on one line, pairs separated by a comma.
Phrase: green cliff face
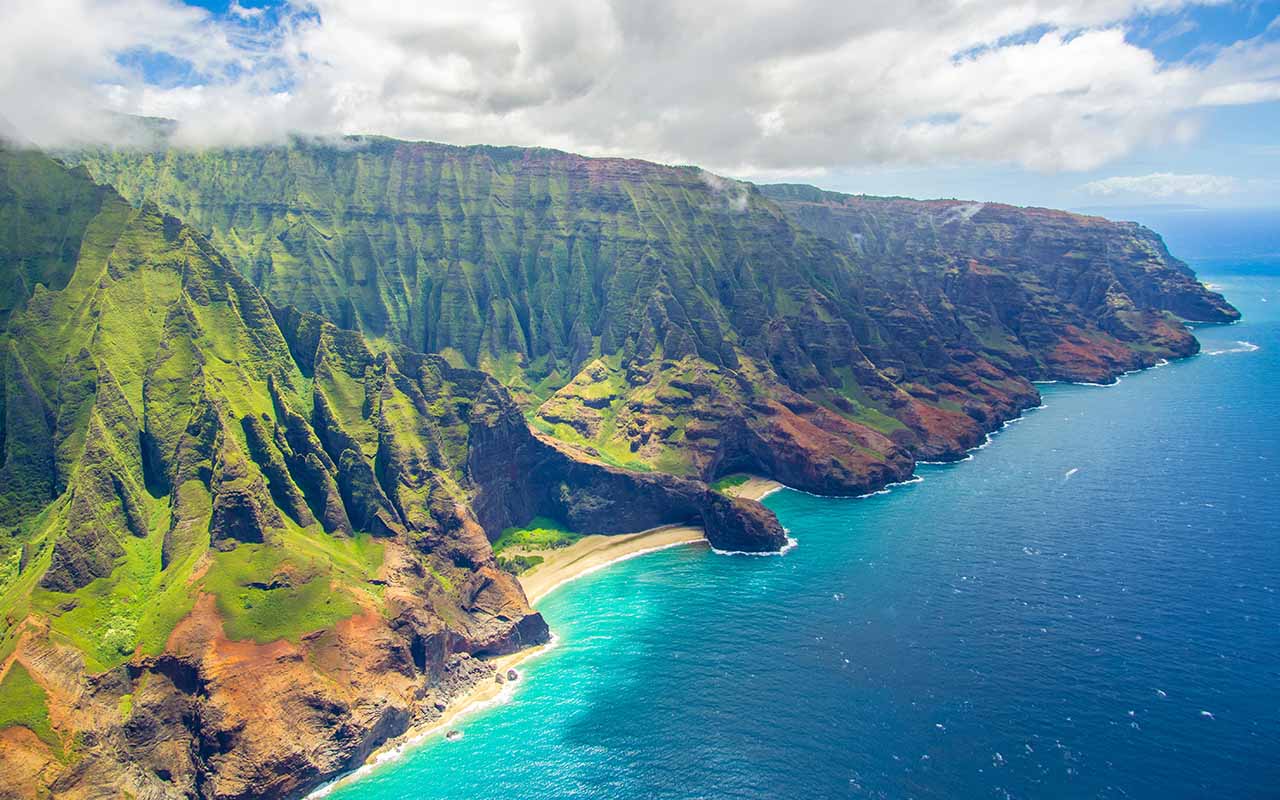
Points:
[[662, 318], [1051, 294], [245, 523], [203, 495]]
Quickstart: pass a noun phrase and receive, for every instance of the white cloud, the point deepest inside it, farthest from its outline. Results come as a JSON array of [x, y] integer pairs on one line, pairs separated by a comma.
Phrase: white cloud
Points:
[[746, 86], [1164, 185]]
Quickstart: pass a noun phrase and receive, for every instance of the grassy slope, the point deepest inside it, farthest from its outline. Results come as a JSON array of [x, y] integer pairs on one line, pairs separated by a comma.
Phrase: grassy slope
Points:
[[527, 263], [514, 544], [23, 702], [145, 332], [541, 533]]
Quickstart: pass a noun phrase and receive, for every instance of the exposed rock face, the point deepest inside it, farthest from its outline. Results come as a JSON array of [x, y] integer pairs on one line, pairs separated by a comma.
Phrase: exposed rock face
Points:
[[245, 542], [663, 318], [1052, 294], [261, 546]]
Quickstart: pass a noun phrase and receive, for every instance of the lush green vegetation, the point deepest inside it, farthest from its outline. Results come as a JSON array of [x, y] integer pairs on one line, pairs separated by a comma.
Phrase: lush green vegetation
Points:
[[267, 592], [541, 533], [166, 432], [24, 702], [519, 564], [730, 481]]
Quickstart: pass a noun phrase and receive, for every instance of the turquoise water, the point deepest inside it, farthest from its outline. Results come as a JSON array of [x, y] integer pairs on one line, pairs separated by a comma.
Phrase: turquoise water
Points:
[[1086, 608]]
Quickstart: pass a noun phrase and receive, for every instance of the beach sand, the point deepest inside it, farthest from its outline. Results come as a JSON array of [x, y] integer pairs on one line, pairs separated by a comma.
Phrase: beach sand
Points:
[[591, 553], [559, 566], [754, 488]]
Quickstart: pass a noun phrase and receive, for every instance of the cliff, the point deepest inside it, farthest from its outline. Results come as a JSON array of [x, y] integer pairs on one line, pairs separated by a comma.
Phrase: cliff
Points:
[[245, 522], [242, 547], [1054, 295], [663, 318]]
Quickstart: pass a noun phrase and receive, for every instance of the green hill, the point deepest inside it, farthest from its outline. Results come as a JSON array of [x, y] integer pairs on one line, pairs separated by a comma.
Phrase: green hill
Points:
[[241, 546], [664, 318]]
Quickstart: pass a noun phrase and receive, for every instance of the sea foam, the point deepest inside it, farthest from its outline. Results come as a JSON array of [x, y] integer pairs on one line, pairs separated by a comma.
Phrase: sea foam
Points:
[[1241, 347]]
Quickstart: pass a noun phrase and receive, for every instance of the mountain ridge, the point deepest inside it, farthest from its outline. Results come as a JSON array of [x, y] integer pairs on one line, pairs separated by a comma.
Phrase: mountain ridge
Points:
[[240, 500], [627, 303], [241, 547]]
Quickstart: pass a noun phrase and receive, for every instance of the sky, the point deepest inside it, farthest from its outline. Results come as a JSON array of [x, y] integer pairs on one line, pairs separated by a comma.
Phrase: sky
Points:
[[1037, 102]]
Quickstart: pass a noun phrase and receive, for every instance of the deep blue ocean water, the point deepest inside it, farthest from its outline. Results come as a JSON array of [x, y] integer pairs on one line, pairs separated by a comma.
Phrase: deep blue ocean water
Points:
[[1089, 607]]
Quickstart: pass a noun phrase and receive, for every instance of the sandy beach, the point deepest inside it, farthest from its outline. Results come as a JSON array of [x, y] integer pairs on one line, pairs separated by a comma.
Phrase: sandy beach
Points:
[[591, 553], [755, 488], [559, 566]]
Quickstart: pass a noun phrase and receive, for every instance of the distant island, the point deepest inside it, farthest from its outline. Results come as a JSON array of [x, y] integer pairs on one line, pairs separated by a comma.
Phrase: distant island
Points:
[[265, 413]]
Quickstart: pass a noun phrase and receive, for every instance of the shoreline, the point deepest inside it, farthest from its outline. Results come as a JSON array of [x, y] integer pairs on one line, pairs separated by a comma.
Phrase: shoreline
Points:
[[483, 694], [561, 566], [754, 488], [597, 551]]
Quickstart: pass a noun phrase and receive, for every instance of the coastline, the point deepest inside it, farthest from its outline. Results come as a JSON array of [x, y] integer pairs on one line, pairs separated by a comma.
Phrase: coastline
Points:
[[483, 694], [590, 554], [560, 566], [595, 552], [754, 488]]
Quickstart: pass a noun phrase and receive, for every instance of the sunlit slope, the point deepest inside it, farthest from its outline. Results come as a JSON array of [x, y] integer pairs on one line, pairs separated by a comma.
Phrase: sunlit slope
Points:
[[665, 318]]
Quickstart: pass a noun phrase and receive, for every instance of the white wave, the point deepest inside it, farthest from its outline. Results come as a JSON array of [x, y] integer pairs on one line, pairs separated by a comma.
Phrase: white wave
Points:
[[888, 486], [414, 738], [1241, 347], [967, 457], [882, 490], [611, 562], [777, 488], [990, 437], [786, 548]]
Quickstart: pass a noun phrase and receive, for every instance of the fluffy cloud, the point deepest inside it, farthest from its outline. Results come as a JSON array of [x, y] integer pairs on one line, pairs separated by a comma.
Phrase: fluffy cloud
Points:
[[747, 86], [1163, 185]]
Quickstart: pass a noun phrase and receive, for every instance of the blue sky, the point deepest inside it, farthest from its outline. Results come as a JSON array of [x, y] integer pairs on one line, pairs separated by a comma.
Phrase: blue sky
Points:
[[1093, 102], [1236, 141]]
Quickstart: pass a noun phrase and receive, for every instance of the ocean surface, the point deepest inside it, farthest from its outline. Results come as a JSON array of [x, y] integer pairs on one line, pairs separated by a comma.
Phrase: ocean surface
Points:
[[1089, 607]]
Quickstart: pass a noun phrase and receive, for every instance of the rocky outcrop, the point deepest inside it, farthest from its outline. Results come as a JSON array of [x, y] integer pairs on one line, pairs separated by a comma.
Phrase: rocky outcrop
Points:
[[261, 546], [668, 320], [522, 476], [252, 539]]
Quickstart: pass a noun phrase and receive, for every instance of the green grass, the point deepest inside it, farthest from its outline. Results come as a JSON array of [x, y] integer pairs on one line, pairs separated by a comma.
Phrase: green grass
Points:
[[136, 607], [518, 565], [730, 481], [614, 452], [306, 583], [865, 411], [445, 581], [542, 533], [23, 702]]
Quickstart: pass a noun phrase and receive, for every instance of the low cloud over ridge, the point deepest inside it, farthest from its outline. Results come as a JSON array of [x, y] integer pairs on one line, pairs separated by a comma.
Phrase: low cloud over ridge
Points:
[[1163, 185], [745, 87]]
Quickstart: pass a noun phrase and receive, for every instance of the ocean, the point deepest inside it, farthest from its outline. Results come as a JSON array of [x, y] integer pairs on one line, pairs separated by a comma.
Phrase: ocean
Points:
[[1089, 607]]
